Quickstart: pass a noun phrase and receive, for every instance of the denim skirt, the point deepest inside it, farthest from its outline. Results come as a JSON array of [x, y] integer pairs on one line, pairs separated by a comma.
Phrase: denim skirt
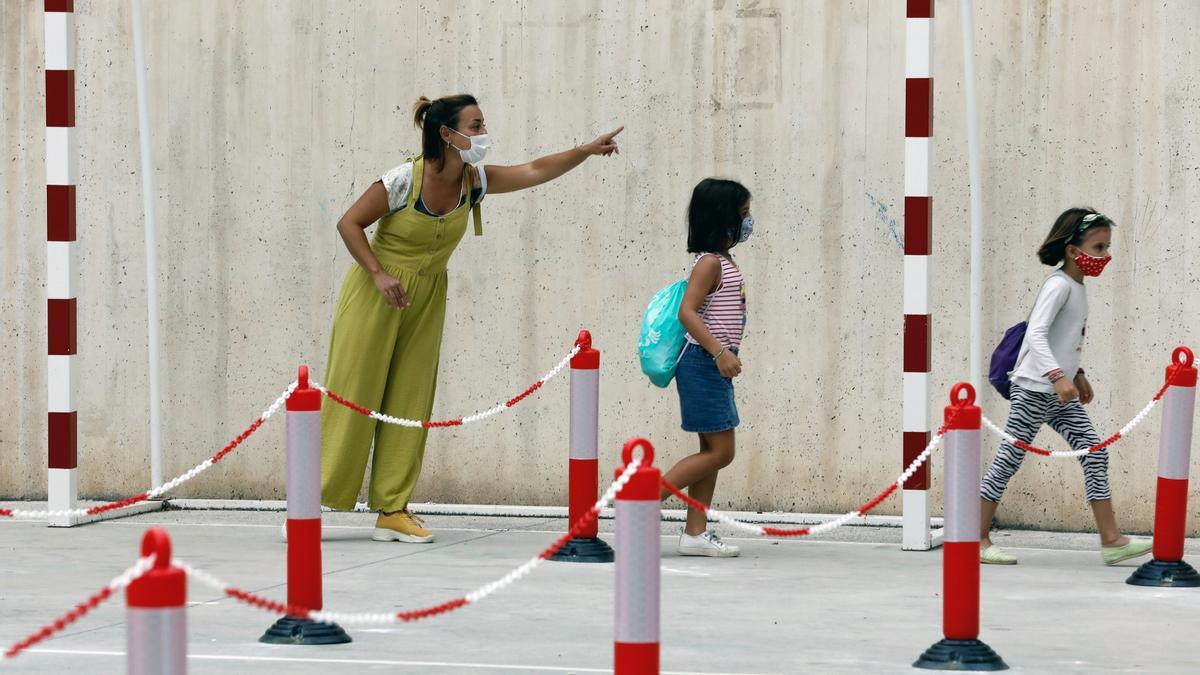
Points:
[[705, 396]]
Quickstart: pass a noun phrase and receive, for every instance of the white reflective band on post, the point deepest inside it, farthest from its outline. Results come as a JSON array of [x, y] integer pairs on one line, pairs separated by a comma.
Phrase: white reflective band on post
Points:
[[916, 395], [61, 164], [62, 378], [156, 641], [60, 280], [918, 156], [638, 558], [304, 464], [1174, 445], [63, 487], [916, 284], [916, 535], [918, 40], [585, 402], [962, 485], [60, 41]]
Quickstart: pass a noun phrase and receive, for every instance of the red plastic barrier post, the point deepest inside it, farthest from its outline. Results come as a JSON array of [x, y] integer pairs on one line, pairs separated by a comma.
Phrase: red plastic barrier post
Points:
[[584, 467], [961, 648], [1174, 457], [639, 519], [156, 614], [304, 522]]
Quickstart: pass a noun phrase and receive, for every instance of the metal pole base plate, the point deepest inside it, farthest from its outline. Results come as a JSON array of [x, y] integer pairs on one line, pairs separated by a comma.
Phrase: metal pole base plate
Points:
[[960, 655], [1170, 574], [590, 550], [293, 631]]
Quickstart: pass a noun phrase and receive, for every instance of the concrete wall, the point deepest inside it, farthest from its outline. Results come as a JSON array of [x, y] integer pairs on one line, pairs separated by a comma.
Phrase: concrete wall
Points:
[[270, 118]]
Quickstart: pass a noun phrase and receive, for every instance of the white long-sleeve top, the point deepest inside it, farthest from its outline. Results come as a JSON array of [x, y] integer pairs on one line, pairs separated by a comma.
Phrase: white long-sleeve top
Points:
[[1054, 338]]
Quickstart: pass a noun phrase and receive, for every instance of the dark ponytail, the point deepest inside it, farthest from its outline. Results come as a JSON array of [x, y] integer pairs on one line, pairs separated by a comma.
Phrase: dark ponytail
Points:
[[429, 116], [1066, 232]]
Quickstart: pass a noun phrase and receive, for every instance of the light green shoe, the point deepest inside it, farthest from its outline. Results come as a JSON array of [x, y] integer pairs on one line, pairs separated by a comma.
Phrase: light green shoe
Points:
[[994, 555], [1135, 547]]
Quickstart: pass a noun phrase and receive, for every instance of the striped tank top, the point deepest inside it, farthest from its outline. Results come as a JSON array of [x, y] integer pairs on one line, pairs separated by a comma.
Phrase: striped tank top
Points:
[[724, 311]]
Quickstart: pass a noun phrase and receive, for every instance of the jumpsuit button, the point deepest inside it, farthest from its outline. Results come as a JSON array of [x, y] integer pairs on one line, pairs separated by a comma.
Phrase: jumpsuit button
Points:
[[441, 221], [439, 235], [421, 272]]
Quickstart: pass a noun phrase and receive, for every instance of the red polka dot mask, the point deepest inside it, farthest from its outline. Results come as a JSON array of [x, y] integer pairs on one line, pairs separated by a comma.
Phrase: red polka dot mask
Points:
[[1091, 266]]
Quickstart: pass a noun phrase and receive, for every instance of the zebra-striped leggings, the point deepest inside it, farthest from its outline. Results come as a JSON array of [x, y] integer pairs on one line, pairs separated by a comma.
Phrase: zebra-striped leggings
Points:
[[1030, 410]]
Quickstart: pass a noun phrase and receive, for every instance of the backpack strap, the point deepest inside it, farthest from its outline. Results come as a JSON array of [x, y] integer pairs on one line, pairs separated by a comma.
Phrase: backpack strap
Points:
[[708, 297], [474, 204]]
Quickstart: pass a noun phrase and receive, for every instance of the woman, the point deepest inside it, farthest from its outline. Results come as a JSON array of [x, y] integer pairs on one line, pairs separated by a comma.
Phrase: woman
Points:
[[387, 328]]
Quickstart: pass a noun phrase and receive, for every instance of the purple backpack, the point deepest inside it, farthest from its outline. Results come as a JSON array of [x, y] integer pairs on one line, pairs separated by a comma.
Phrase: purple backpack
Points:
[[1004, 358]]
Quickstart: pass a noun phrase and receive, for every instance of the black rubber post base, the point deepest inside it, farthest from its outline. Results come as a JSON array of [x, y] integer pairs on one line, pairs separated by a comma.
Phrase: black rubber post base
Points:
[[960, 655], [293, 631], [1170, 574], [589, 550]]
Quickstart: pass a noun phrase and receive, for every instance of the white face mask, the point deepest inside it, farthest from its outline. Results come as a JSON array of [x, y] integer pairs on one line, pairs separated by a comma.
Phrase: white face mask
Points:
[[478, 149]]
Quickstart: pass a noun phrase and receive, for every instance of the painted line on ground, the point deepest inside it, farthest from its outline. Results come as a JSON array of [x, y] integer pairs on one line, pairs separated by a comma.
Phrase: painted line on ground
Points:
[[379, 662]]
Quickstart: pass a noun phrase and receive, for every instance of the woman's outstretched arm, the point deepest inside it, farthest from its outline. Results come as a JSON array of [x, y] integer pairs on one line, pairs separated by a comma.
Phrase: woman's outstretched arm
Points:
[[512, 178]]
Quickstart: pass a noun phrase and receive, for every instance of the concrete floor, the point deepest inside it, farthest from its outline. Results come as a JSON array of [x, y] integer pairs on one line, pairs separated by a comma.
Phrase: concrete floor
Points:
[[849, 602]]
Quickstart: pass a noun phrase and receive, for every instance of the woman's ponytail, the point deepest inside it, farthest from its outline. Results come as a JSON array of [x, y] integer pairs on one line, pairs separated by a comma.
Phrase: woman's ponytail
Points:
[[420, 108]]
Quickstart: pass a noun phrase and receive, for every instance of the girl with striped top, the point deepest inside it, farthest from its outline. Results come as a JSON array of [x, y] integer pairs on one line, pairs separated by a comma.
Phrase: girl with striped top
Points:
[[1049, 387], [714, 313]]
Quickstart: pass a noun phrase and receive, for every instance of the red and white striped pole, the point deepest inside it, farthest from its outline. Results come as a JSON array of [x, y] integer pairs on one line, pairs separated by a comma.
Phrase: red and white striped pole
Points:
[[1174, 457], [639, 522], [156, 618], [304, 522], [61, 367], [961, 649], [584, 466], [918, 227]]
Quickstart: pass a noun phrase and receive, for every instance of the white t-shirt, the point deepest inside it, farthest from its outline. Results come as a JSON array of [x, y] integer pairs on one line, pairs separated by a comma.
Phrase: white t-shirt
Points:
[[1054, 338], [398, 183]]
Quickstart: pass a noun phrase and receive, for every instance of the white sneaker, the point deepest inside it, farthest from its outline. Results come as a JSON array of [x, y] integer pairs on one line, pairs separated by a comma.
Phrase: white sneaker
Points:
[[707, 544]]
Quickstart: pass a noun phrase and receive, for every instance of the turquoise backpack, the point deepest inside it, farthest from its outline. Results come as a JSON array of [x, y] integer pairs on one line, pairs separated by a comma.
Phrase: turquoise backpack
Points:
[[663, 337]]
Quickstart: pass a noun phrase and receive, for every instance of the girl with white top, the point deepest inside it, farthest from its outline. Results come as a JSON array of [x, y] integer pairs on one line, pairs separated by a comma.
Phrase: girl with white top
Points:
[[1049, 387]]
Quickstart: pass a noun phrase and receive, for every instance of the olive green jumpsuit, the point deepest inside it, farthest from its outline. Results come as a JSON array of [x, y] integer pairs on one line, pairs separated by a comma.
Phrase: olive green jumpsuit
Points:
[[387, 359]]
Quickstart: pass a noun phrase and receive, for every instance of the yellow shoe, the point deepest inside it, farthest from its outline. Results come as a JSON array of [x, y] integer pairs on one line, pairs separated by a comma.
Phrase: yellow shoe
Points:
[[401, 526]]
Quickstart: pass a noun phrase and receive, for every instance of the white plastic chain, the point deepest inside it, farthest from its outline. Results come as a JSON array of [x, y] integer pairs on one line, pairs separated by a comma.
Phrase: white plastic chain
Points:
[[482, 415], [161, 489], [135, 571], [120, 582], [602, 503], [206, 464], [841, 520], [390, 618], [1137, 419]]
